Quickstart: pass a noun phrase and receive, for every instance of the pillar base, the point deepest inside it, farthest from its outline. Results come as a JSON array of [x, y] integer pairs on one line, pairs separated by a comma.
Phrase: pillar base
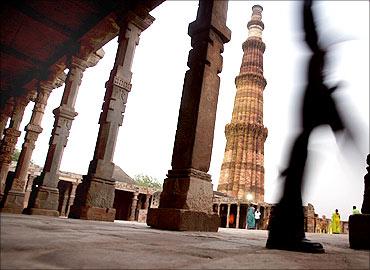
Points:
[[14, 202], [92, 213], [94, 199], [359, 233], [44, 201], [182, 220], [41, 212]]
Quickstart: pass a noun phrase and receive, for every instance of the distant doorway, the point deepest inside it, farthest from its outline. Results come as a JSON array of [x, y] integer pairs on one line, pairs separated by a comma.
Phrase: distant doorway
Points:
[[122, 204]]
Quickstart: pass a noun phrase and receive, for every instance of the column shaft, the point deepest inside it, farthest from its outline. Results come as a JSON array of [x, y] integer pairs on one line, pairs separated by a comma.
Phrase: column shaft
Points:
[[187, 192], [237, 216], [228, 215], [95, 195], [133, 207], [71, 197], [44, 198], [5, 114], [147, 198], [11, 135]]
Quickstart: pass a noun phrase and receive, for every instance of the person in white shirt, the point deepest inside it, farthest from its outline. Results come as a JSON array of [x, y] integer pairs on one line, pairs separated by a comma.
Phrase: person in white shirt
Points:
[[257, 216]]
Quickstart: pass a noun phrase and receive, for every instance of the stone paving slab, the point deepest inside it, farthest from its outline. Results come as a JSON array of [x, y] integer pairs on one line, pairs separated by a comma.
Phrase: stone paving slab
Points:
[[38, 242]]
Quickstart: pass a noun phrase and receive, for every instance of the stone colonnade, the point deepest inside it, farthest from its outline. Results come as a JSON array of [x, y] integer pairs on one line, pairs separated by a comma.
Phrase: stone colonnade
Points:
[[14, 200], [187, 194], [44, 196], [234, 214], [11, 134]]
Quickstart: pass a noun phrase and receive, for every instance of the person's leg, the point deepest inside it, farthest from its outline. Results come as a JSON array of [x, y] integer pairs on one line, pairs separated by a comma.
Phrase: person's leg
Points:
[[286, 226]]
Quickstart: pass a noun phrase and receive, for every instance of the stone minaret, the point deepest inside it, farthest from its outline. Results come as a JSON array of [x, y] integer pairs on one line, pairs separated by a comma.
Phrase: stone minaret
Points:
[[242, 170]]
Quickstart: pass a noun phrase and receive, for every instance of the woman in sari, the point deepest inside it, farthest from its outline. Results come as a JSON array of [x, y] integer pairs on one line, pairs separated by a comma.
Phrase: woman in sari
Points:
[[251, 222], [335, 222]]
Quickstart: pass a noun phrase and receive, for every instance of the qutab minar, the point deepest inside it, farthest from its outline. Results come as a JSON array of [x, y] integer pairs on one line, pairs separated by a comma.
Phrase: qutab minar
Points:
[[242, 171]]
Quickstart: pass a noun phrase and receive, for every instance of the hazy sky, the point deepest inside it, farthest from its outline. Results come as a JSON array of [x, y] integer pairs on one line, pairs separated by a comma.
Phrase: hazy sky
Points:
[[145, 142]]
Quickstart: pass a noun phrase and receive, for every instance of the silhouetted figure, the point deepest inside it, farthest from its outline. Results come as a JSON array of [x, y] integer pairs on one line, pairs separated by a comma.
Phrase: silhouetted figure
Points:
[[365, 209], [286, 229]]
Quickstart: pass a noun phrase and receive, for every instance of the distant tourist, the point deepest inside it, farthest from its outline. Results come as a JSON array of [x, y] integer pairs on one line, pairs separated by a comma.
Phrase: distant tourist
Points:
[[231, 219], [323, 225], [257, 216], [355, 210], [251, 222], [335, 222]]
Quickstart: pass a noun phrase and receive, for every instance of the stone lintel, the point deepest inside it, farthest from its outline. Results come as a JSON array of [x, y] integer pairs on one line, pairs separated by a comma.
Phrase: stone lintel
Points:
[[182, 220]]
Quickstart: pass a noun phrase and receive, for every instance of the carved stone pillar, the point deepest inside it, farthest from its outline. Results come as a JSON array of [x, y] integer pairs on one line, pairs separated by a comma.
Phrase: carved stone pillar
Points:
[[95, 195], [65, 201], [218, 209], [28, 189], [146, 204], [15, 198], [71, 197], [228, 215], [5, 114], [133, 206], [44, 198], [187, 192], [237, 216], [11, 135]]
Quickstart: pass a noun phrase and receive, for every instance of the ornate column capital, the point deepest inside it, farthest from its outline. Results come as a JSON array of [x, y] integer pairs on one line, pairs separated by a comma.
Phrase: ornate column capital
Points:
[[8, 106], [141, 21], [76, 62], [46, 86], [5, 112], [211, 16]]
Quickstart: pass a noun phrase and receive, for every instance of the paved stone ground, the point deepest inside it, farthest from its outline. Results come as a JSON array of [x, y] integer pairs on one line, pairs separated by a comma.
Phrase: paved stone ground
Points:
[[37, 242]]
